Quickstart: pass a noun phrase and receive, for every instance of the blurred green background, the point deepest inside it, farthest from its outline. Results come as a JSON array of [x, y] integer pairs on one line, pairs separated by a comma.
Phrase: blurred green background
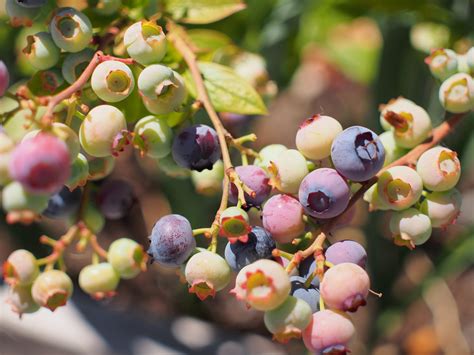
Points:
[[343, 58]]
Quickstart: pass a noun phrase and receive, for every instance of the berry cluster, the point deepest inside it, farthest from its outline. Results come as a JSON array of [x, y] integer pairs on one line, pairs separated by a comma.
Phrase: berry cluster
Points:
[[73, 118]]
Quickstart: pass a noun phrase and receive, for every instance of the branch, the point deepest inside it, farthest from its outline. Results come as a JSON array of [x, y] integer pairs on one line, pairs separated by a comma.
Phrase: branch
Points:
[[203, 97]]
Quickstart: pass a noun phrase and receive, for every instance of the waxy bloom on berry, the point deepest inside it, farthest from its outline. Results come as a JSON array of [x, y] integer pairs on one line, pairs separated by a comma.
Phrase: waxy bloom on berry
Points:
[[439, 168], [442, 207], [145, 42], [410, 228]]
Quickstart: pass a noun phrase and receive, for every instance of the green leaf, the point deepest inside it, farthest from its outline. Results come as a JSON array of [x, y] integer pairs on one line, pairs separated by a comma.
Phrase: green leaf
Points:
[[208, 40], [228, 91], [202, 11]]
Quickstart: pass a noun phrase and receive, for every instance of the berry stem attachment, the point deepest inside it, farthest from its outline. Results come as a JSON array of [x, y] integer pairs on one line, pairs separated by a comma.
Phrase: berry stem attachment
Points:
[[199, 231]]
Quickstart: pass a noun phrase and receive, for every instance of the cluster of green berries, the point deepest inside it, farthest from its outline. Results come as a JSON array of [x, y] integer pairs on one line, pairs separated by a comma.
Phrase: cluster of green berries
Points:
[[32, 288]]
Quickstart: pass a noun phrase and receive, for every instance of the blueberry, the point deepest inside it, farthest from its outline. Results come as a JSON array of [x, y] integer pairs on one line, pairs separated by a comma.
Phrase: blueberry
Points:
[[357, 153], [259, 246], [310, 295], [306, 269], [172, 240], [64, 203], [115, 199], [256, 179], [196, 148]]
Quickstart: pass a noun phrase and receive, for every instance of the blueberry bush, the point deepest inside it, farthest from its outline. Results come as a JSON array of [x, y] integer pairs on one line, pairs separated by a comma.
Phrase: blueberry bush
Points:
[[131, 75]]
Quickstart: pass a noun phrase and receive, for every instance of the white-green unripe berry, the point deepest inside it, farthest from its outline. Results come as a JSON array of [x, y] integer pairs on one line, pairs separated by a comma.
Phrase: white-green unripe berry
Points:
[[156, 136], [112, 81], [20, 268], [75, 63], [99, 129], [21, 301], [98, 280], [6, 147], [392, 150], [16, 198], [456, 94], [162, 89], [145, 42], [79, 172], [52, 289], [41, 51], [289, 319], [207, 273], [268, 154], [22, 122], [209, 182], [443, 63], [92, 218], [20, 15], [99, 168], [442, 207], [469, 58], [371, 196], [399, 187], [315, 136], [107, 7], [127, 257], [409, 122], [439, 168], [288, 170], [410, 227], [71, 29]]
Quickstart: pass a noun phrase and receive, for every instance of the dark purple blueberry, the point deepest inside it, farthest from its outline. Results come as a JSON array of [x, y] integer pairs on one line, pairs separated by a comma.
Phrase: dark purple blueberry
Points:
[[171, 240], [256, 179], [310, 295], [196, 148], [260, 245], [357, 153], [115, 199], [306, 268], [63, 203]]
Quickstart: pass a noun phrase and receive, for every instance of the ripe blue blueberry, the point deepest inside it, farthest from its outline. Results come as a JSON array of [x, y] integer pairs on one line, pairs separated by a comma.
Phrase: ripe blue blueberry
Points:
[[196, 148], [64, 203], [310, 295], [357, 153], [324, 193], [259, 246], [172, 240]]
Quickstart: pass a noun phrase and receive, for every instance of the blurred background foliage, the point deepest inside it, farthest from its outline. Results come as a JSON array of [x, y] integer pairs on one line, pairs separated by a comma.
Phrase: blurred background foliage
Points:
[[343, 58]]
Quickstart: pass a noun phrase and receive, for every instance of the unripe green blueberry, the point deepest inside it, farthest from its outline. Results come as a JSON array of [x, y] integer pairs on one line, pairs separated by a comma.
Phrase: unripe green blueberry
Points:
[[41, 51], [99, 280], [251, 67], [375, 202], [100, 168], [63, 132], [315, 136], [75, 63], [21, 301], [289, 319], [409, 122], [20, 15], [170, 168], [22, 122], [107, 7], [410, 227], [269, 154], [20, 268], [442, 207], [99, 129], [112, 81], [399, 187], [127, 257], [264, 285], [469, 56], [439, 168], [6, 147], [234, 223], [79, 172], [456, 93], [161, 88], [155, 136], [145, 42], [71, 29], [392, 150], [288, 170], [209, 182], [443, 63], [46, 82], [93, 219], [52, 289], [16, 198], [207, 273]]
